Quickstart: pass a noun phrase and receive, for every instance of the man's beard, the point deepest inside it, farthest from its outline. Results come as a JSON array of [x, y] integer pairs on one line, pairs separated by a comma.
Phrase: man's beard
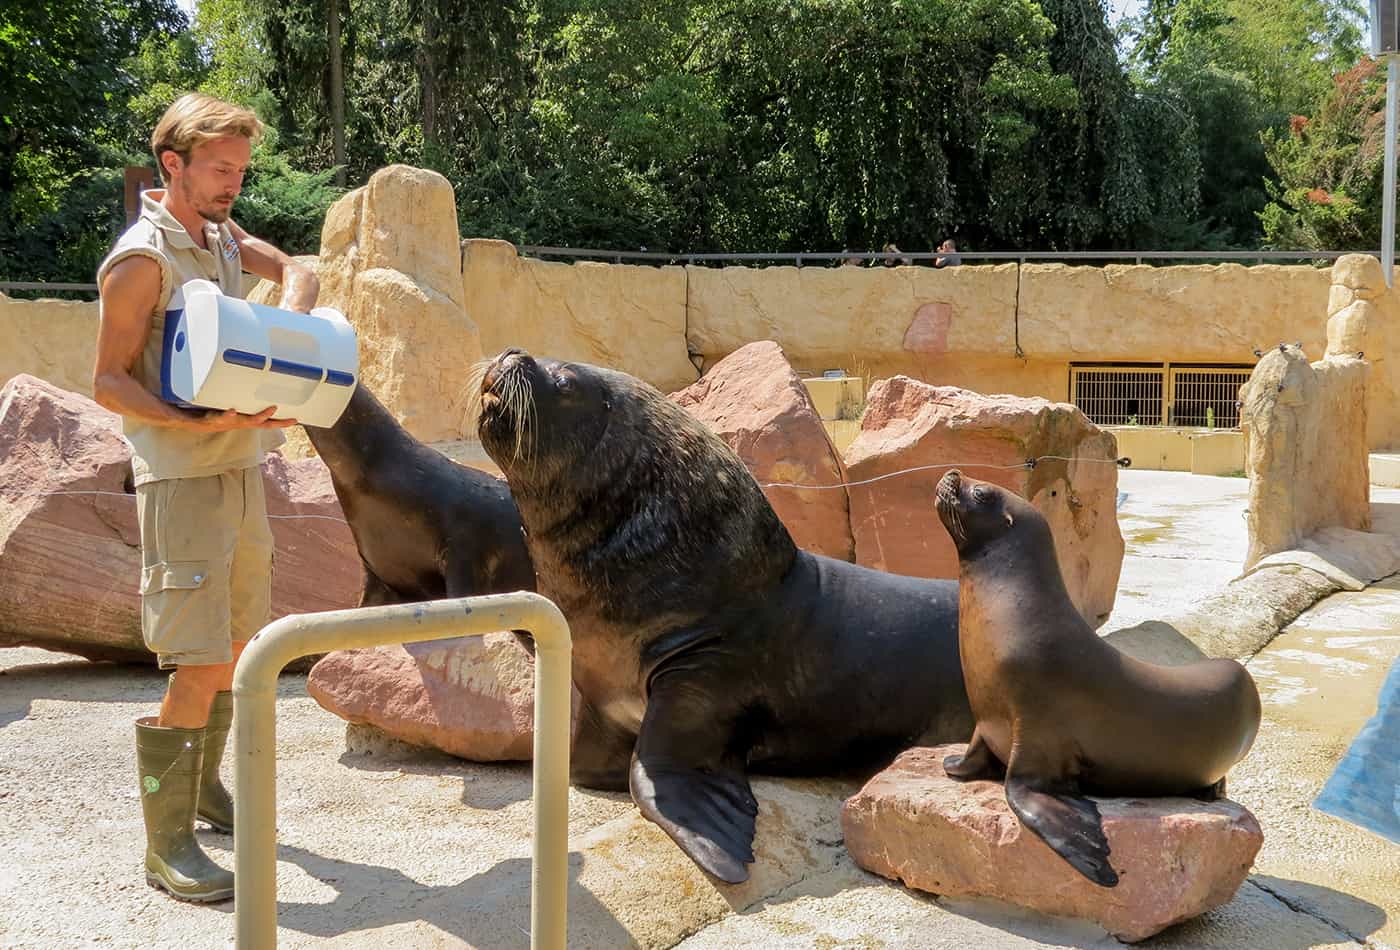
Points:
[[217, 214], [211, 212]]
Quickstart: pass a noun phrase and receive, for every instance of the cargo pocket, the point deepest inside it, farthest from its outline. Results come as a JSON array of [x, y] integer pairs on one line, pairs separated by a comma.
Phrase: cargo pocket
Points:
[[174, 575]]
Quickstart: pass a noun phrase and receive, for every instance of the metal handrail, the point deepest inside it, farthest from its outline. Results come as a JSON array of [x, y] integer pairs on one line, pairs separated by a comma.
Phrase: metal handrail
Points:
[[1021, 257], [42, 285], [255, 739], [801, 257]]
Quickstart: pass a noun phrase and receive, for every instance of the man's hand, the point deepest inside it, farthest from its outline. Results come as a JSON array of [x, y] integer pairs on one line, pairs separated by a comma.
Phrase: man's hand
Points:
[[232, 419], [299, 283]]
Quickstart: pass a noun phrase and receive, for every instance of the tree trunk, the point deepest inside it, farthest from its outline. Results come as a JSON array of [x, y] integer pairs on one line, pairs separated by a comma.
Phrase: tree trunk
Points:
[[337, 89], [427, 71]]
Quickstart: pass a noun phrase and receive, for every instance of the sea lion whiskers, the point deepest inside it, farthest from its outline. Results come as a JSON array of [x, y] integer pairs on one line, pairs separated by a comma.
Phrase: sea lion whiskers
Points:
[[476, 377], [947, 501]]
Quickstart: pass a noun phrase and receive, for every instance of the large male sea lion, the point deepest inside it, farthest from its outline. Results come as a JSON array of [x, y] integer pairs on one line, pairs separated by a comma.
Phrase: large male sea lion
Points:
[[705, 643], [1064, 713], [426, 528]]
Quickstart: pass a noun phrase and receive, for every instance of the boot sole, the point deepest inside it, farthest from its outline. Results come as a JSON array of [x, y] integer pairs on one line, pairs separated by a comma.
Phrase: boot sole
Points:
[[206, 898], [221, 828]]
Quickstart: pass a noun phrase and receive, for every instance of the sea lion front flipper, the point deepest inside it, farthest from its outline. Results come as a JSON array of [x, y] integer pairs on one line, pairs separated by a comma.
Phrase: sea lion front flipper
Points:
[[977, 761], [685, 778], [1070, 825]]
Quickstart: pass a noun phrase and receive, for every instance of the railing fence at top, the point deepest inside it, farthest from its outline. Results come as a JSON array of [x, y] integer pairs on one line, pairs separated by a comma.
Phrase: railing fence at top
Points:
[[1021, 257], [800, 258]]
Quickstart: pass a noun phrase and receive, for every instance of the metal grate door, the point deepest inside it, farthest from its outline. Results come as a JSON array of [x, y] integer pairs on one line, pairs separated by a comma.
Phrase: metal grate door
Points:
[[1207, 396], [1119, 395]]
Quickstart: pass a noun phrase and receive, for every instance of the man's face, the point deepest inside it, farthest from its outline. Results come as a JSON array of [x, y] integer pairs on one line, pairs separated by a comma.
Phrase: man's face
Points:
[[213, 177]]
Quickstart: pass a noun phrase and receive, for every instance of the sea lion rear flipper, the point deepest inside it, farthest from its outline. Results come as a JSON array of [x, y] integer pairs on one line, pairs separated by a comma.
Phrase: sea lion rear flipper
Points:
[[684, 778], [977, 761], [1211, 793], [1071, 826]]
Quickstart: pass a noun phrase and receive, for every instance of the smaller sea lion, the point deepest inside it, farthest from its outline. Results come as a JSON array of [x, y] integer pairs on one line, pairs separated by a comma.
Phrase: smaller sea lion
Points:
[[1063, 713]]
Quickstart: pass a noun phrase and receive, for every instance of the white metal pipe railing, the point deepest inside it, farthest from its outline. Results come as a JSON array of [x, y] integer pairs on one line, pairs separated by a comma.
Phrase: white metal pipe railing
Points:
[[255, 739]]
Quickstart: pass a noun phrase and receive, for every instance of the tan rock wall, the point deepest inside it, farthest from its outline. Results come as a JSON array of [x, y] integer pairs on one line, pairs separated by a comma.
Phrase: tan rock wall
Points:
[[428, 306], [627, 318], [1206, 313], [54, 340], [1306, 453], [877, 321], [1363, 321]]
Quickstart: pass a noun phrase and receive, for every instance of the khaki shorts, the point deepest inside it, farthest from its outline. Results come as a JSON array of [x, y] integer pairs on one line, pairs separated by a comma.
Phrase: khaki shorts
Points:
[[206, 577]]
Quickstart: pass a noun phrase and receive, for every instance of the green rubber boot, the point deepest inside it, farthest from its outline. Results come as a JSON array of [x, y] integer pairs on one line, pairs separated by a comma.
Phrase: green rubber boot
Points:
[[168, 763], [215, 803]]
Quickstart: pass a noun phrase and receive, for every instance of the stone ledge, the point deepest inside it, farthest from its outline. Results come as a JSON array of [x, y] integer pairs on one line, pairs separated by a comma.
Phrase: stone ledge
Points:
[[1176, 857]]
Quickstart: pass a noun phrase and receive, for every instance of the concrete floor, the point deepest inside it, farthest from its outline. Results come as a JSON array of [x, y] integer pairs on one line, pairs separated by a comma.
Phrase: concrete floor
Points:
[[381, 846]]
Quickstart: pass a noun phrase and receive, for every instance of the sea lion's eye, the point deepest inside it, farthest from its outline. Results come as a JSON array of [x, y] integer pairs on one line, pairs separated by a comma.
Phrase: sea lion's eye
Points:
[[980, 494], [563, 383]]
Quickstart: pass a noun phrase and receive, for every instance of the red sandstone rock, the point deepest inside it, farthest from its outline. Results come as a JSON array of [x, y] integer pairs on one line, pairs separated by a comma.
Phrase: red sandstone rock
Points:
[[908, 424], [70, 563], [758, 405], [471, 697], [1176, 857]]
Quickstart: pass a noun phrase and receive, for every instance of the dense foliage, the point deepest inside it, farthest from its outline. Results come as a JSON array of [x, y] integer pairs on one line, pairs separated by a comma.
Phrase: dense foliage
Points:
[[703, 125], [1328, 192]]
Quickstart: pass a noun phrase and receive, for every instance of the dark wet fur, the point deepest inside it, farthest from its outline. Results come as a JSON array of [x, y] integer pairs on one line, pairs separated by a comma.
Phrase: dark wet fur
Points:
[[425, 527], [705, 643]]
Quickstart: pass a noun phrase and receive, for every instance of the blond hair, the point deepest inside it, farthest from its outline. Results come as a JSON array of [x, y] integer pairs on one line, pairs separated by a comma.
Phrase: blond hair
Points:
[[196, 118]]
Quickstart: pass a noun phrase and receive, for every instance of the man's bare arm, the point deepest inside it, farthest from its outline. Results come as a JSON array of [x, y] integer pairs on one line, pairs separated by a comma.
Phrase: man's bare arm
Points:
[[300, 285], [129, 296]]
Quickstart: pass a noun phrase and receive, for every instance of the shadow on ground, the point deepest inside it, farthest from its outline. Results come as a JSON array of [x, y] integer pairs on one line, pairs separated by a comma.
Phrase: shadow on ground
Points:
[[78, 681], [1324, 903], [491, 909]]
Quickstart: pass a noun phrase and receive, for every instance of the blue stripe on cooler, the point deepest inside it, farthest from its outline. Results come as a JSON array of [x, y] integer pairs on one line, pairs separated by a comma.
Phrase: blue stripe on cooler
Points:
[[244, 358], [257, 361], [288, 368]]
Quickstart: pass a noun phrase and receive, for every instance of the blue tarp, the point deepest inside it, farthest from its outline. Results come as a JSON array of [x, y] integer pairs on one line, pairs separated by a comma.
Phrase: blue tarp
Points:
[[1365, 788]]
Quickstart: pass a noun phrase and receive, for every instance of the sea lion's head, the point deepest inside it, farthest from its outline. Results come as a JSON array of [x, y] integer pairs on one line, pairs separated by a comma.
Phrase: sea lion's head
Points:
[[620, 488], [541, 412], [975, 513]]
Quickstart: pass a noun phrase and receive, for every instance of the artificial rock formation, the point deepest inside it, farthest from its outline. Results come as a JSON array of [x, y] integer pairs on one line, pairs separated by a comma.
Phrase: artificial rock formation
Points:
[[1203, 312], [630, 319], [55, 340], [472, 697], [909, 424], [1363, 322], [1306, 449], [1175, 857], [755, 402], [70, 555], [887, 319], [389, 262]]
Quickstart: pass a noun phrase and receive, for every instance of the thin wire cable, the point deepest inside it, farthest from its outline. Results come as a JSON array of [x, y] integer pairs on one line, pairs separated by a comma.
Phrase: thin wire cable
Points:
[[120, 494], [1028, 464]]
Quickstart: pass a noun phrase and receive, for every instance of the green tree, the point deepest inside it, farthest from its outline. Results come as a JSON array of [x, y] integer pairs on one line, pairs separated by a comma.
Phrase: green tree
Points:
[[1238, 68], [1329, 168], [74, 73]]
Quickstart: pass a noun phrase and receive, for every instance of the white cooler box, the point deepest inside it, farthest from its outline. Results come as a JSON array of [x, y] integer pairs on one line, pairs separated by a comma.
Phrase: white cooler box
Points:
[[226, 353]]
